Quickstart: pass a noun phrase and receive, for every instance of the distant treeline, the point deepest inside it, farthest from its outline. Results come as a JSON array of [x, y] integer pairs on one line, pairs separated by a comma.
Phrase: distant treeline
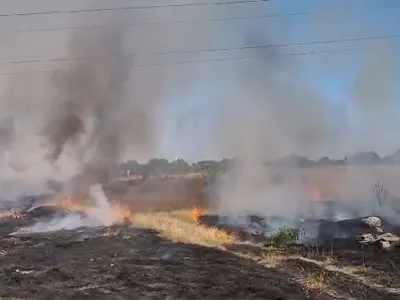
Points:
[[161, 167]]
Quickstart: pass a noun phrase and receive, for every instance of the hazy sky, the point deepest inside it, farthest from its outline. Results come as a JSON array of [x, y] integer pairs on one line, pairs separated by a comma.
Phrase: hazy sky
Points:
[[193, 92]]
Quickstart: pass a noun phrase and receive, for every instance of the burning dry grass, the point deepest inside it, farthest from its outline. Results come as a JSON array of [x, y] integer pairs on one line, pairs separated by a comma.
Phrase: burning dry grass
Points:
[[13, 214], [175, 225], [119, 213], [111, 232], [174, 219], [178, 226], [197, 212]]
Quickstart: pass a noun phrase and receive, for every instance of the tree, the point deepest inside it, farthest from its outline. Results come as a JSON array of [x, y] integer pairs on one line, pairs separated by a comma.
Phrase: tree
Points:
[[365, 158], [157, 166], [179, 166], [208, 167]]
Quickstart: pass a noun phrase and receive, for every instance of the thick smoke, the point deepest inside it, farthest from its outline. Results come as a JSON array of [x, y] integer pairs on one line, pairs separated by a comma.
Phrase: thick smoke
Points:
[[92, 103], [78, 132], [272, 111], [262, 108]]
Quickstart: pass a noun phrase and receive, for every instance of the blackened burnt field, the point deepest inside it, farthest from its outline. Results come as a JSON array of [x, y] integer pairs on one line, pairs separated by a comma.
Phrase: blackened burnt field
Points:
[[167, 254], [127, 263]]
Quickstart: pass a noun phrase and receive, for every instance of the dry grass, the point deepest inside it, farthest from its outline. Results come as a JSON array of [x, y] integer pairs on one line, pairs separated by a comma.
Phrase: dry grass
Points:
[[272, 260], [317, 282], [178, 226]]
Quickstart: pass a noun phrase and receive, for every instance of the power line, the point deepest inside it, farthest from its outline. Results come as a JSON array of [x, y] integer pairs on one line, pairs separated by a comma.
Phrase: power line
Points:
[[75, 11], [197, 4], [260, 17], [333, 41], [265, 16], [250, 57]]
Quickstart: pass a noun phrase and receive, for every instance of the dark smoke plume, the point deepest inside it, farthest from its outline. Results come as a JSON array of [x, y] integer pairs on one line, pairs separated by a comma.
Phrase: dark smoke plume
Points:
[[93, 89], [80, 129]]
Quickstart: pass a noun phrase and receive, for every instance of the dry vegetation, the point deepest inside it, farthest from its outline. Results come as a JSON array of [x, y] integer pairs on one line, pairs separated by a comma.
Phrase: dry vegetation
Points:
[[169, 206], [324, 275], [172, 206], [178, 226], [319, 274]]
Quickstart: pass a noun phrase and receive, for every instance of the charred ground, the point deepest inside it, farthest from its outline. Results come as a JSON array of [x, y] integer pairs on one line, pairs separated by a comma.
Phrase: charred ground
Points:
[[169, 261], [129, 264]]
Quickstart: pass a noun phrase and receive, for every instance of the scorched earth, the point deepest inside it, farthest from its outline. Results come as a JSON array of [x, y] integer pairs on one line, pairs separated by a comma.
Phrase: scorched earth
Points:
[[127, 263]]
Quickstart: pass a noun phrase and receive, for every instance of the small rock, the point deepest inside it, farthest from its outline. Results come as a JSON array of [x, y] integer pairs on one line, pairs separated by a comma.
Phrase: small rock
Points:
[[388, 237], [378, 230], [166, 256], [372, 222], [385, 245], [366, 238]]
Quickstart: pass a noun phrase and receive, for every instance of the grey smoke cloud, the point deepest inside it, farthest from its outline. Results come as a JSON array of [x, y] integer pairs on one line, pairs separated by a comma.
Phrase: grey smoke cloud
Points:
[[272, 111], [76, 124], [100, 108], [81, 127]]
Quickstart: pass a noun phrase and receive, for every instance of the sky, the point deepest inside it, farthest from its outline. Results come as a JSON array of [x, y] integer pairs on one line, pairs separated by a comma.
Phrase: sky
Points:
[[193, 92], [331, 75]]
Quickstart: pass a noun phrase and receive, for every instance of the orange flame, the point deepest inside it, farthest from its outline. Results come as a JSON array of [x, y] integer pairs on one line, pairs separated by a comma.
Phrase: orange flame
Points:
[[70, 204], [111, 232], [13, 214], [323, 193], [316, 194], [120, 213], [197, 213]]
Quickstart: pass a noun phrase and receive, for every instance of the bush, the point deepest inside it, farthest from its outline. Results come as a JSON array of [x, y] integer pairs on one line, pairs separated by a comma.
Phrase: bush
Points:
[[381, 193], [284, 237]]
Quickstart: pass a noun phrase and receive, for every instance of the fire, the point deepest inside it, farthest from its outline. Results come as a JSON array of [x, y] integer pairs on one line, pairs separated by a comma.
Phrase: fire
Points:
[[71, 204], [322, 193], [316, 194], [120, 214], [111, 232], [13, 214], [16, 214], [197, 213]]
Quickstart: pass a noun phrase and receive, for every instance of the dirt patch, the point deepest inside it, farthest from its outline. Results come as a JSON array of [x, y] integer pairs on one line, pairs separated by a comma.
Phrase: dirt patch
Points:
[[380, 267]]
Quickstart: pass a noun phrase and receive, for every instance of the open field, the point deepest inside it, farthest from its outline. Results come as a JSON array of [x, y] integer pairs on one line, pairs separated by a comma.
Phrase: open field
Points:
[[167, 254], [180, 259]]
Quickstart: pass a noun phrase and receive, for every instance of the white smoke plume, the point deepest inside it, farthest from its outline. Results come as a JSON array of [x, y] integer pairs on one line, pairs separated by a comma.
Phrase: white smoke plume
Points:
[[77, 133], [256, 109], [271, 111], [71, 139]]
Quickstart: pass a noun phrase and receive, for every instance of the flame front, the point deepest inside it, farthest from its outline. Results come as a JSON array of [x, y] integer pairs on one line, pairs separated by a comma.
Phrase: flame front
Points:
[[197, 213], [316, 194], [13, 214], [323, 193], [111, 232], [71, 204], [120, 214]]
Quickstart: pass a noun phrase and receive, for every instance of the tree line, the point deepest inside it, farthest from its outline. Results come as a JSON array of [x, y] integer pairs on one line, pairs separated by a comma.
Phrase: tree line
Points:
[[160, 166]]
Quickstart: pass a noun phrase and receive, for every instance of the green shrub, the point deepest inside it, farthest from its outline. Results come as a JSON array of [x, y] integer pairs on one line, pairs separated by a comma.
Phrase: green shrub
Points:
[[284, 237]]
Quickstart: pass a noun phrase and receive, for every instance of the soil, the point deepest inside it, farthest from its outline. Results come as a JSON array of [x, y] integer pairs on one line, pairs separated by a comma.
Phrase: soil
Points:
[[133, 264]]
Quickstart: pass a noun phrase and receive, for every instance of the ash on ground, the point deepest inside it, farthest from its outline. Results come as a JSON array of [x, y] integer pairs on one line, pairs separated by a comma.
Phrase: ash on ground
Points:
[[325, 223], [121, 262]]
